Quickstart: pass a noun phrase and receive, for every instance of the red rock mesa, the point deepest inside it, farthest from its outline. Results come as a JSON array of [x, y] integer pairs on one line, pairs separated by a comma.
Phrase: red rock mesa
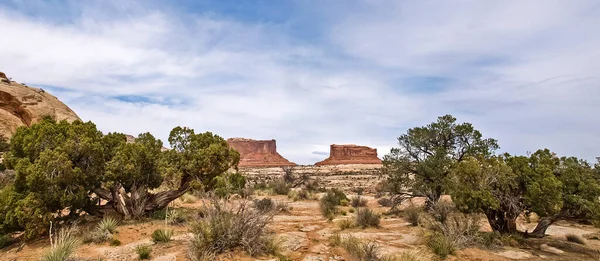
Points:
[[350, 154], [258, 153]]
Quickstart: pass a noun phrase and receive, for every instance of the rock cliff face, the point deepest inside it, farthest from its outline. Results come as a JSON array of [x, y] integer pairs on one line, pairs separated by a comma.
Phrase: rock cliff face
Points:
[[22, 105], [350, 154], [258, 153]]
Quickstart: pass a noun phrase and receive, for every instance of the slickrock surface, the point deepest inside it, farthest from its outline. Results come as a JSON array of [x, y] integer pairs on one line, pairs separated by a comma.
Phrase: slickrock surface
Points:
[[350, 154], [22, 105], [258, 153]]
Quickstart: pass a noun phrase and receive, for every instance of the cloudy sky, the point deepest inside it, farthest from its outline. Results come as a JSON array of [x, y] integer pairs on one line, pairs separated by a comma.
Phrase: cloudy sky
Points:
[[309, 73]]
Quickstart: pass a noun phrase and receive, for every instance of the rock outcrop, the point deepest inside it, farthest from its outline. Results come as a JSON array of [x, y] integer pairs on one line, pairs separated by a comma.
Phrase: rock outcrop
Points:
[[22, 105], [258, 153], [350, 154]]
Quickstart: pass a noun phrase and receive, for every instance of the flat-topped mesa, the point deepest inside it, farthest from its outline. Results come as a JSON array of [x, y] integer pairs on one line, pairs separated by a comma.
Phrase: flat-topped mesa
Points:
[[258, 153], [350, 154]]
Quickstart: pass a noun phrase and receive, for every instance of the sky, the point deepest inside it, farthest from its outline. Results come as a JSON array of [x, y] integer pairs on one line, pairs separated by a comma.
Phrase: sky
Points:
[[311, 73]]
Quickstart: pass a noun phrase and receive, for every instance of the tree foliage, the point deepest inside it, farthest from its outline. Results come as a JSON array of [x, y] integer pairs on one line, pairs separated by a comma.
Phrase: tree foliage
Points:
[[63, 169], [425, 156]]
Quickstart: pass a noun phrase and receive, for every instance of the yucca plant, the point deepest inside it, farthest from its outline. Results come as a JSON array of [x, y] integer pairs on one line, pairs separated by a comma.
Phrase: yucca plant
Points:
[[63, 247], [108, 224], [143, 252], [162, 235]]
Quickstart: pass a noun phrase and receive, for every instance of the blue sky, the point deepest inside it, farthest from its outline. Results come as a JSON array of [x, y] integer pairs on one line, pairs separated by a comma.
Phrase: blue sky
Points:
[[313, 73]]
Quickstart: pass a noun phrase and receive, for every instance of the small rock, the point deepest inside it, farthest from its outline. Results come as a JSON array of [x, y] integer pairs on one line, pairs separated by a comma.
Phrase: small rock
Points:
[[293, 241], [549, 249]]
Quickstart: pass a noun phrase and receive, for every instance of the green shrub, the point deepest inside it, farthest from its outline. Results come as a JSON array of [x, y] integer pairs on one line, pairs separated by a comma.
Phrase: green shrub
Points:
[[344, 202], [5, 240], [351, 210], [314, 186], [162, 235], [177, 217], [229, 226], [576, 239], [160, 214], [264, 205], [346, 224], [358, 201], [440, 245], [305, 194], [64, 246], [367, 218], [358, 190], [115, 242], [361, 251], [229, 183], [143, 252]]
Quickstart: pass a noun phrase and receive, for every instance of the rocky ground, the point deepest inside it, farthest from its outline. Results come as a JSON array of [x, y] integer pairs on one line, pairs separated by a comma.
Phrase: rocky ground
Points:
[[304, 235]]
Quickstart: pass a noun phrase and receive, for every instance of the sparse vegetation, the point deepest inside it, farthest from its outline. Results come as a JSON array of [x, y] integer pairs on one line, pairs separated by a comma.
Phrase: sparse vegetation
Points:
[[279, 187], [226, 226], [413, 213], [188, 198], [162, 235], [268, 204], [440, 245], [143, 252], [64, 245], [441, 210], [384, 202], [576, 239], [461, 230], [346, 224], [358, 201], [367, 218], [330, 201], [115, 242], [369, 251], [108, 224]]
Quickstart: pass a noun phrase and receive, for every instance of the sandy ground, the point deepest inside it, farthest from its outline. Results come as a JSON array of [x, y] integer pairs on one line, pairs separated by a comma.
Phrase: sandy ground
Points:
[[304, 234]]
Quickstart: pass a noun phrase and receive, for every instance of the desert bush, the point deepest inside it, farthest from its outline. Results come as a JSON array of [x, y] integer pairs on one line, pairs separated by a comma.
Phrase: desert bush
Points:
[[65, 243], [361, 251], [346, 224], [177, 217], [335, 239], [305, 194], [5, 240], [576, 239], [261, 185], [264, 205], [358, 190], [384, 202], [441, 210], [329, 202], [367, 218], [413, 214], [228, 183], [280, 187], [115, 242], [440, 245], [162, 235], [227, 226], [351, 210], [344, 202], [143, 252], [358, 201], [314, 186], [415, 254], [159, 214], [461, 230]]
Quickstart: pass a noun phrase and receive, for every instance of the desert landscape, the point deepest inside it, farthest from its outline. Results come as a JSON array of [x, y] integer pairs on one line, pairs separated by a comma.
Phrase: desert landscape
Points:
[[263, 207]]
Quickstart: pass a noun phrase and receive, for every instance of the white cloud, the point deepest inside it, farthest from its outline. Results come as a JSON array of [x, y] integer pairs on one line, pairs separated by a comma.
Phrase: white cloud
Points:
[[524, 73]]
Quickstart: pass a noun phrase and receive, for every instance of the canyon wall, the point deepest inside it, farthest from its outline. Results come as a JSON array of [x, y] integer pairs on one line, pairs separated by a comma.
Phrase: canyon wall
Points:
[[21, 105], [258, 153], [350, 154]]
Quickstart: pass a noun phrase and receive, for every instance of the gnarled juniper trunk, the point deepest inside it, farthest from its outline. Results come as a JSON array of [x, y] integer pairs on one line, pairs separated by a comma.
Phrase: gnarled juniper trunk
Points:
[[540, 230], [137, 201], [501, 221]]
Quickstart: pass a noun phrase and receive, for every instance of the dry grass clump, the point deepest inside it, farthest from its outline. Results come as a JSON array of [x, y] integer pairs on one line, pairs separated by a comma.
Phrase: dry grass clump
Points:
[[416, 254], [461, 230], [162, 235], [358, 201], [346, 224], [63, 246], [280, 187], [576, 239], [231, 226], [441, 210], [440, 245], [413, 214], [143, 252], [268, 204], [367, 218], [361, 251]]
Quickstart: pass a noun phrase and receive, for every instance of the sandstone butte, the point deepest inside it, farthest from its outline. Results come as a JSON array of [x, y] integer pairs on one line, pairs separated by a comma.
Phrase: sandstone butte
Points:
[[350, 154], [21, 105], [258, 153]]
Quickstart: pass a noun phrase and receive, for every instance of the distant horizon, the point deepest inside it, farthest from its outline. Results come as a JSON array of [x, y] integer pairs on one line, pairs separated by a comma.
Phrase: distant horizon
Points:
[[312, 73]]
